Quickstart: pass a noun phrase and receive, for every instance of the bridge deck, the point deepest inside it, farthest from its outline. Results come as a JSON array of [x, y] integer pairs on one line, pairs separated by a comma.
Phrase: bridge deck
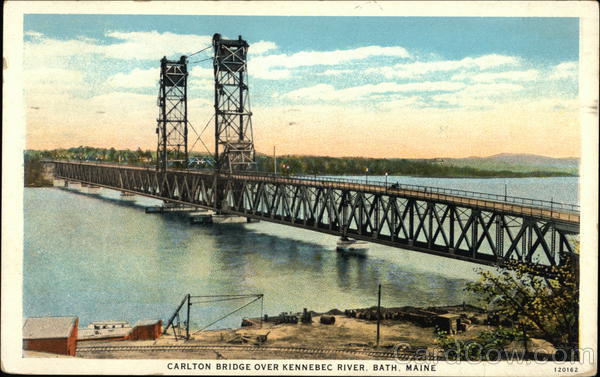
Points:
[[561, 212], [545, 213]]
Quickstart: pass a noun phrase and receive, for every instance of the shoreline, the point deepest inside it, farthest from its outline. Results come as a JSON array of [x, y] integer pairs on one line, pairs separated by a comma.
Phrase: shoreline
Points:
[[404, 331]]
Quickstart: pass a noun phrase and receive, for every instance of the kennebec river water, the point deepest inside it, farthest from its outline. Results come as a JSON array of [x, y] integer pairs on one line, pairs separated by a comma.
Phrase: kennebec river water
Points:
[[100, 258]]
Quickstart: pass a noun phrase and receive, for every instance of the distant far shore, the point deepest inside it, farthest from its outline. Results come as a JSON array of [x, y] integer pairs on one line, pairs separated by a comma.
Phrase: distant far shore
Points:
[[499, 166]]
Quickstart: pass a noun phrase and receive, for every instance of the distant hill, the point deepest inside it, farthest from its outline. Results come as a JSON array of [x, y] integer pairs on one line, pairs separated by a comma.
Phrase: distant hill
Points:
[[518, 162]]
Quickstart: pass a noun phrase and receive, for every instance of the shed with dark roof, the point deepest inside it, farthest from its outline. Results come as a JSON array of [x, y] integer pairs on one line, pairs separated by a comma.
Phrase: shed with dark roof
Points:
[[51, 334]]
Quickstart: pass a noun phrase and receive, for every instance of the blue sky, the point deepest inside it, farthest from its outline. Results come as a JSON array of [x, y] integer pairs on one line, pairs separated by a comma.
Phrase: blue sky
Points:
[[372, 86]]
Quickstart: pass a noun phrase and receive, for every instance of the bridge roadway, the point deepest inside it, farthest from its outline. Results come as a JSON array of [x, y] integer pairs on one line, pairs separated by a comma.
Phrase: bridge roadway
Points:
[[559, 214], [478, 227]]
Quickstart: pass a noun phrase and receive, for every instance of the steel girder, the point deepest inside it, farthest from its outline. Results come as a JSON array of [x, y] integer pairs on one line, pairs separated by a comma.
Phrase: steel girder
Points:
[[441, 228]]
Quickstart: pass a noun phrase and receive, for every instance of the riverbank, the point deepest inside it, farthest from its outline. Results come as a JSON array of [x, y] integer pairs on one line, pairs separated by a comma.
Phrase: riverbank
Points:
[[352, 335]]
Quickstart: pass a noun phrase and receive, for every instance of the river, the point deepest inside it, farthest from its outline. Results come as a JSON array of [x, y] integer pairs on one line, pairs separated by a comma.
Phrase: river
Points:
[[101, 258]]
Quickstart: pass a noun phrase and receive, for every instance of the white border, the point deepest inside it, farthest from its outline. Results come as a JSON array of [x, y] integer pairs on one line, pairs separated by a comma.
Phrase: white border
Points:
[[13, 133]]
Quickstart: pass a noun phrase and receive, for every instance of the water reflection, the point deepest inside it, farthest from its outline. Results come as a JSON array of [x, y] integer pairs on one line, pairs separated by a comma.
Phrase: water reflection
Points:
[[99, 257]]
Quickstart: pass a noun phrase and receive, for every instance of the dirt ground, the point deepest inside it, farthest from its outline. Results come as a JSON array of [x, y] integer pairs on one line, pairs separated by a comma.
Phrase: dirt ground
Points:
[[345, 334]]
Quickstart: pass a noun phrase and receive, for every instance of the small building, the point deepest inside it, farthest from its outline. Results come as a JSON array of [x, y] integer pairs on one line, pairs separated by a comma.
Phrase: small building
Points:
[[146, 330], [448, 322], [98, 325], [51, 334], [105, 330]]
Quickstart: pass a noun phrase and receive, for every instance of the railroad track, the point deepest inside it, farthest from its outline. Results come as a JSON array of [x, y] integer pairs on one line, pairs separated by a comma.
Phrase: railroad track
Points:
[[401, 355]]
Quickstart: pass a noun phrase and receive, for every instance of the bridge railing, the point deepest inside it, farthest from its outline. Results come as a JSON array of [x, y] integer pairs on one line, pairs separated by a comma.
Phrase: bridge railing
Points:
[[544, 208], [433, 192]]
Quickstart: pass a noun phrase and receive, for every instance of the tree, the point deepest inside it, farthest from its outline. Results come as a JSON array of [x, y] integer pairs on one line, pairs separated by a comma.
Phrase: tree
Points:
[[549, 306]]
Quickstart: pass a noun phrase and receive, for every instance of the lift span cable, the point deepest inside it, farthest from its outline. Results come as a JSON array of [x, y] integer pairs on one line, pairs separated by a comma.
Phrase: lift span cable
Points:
[[197, 52], [200, 61], [227, 315]]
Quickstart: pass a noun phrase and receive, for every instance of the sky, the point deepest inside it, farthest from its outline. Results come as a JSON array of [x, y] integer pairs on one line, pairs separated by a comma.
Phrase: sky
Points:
[[391, 87]]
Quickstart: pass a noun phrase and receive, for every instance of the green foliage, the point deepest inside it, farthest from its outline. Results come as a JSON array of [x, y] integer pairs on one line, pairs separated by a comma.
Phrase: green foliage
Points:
[[547, 306], [33, 172], [486, 346], [357, 166]]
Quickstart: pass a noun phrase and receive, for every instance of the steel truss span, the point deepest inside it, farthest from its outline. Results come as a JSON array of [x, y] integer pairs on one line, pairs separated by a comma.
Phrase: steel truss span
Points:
[[472, 229]]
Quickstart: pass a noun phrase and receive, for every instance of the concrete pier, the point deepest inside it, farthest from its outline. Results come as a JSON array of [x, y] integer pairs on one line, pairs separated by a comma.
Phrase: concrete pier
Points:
[[91, 189], [58, 182], [74, 185], [172, 207], [127, 196], [228, 219]]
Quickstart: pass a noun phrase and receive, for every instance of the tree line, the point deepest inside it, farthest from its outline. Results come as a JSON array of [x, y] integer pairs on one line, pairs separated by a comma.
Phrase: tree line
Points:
[[288, 164]]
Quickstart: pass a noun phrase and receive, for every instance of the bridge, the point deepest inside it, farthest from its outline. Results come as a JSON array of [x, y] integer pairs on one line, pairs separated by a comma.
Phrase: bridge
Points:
[[477, 227]]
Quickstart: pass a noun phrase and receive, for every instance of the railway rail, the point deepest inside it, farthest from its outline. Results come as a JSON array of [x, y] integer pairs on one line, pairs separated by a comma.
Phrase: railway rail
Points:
[[394, 354]]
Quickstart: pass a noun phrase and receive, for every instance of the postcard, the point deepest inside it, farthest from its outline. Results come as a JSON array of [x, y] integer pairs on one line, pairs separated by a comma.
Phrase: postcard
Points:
[[285, 188]]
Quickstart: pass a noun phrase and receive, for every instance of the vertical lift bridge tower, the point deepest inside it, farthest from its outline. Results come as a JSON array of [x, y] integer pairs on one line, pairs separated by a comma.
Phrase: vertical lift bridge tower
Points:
[[234, 146], [172, 122]]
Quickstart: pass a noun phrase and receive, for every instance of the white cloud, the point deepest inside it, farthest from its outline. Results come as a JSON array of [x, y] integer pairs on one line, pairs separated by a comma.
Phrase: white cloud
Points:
[[42, 49], [277, 66], [138, 78], [328, 92], [153, 45], [260, 47], [52, 80], [264, 72], [395, 103], [567, 70], [201, 72], [336, 72], [478, 95], [529, 75], [417, 69], [150, 45], [200, 84], [33, 34]]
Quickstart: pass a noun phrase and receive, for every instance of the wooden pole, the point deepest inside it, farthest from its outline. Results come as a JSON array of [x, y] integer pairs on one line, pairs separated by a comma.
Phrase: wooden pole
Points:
[[274, 161], [187, 324], [378, 314]]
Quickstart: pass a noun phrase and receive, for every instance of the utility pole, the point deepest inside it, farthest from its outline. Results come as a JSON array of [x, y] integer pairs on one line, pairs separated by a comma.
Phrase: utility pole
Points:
[[274, 161], [378, 314], [187, 324]]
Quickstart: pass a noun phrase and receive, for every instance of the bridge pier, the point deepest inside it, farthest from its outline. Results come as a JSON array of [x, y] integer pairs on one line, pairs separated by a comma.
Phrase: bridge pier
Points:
[[170, 207], [127, 196], [58, 182], [91, 189], [74, 185], [228, 219]]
